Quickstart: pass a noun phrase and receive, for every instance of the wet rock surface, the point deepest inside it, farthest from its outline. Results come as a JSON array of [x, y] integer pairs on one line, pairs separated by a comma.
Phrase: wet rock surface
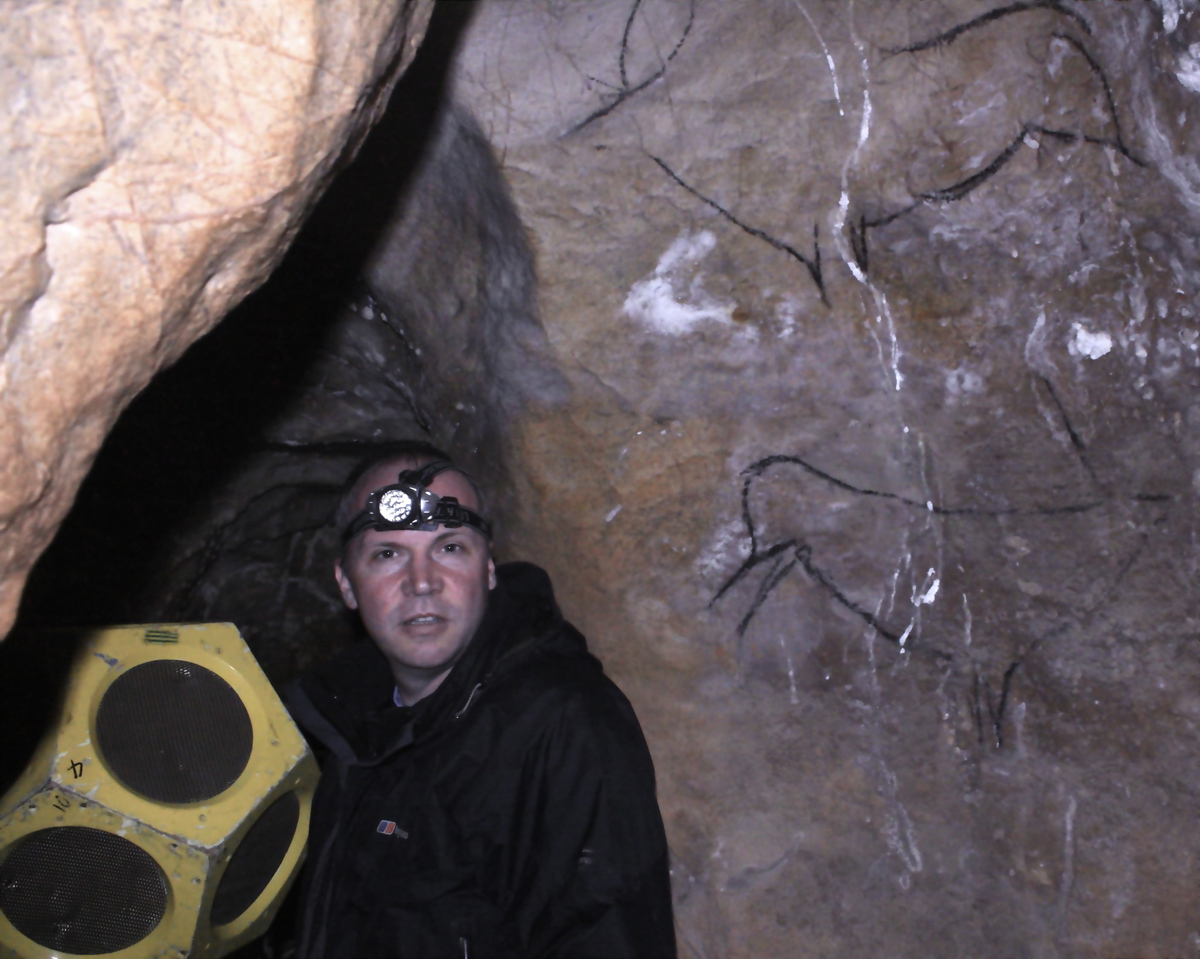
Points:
[[855, 417]]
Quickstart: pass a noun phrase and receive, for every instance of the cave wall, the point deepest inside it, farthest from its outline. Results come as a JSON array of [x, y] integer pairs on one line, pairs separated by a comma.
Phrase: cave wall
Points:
[[840, 361], [876, 485]]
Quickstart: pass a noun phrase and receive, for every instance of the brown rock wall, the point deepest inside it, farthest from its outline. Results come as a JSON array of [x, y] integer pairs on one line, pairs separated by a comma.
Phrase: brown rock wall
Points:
[[875, 489]]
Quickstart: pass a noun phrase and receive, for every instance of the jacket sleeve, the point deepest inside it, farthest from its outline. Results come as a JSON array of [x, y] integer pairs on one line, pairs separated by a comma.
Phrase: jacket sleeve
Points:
[[595, 880]]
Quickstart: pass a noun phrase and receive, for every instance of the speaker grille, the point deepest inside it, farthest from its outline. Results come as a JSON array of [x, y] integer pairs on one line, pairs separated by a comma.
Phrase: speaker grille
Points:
[[256, 859], [80, 890], [174, 731]]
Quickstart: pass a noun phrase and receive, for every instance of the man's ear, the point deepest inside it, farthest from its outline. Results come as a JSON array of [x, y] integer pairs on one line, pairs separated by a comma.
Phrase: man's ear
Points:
[[491, 573], [346, 586]]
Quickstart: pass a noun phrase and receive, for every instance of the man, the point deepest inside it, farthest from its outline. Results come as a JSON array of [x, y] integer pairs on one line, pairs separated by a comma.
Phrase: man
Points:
[[487, 791]]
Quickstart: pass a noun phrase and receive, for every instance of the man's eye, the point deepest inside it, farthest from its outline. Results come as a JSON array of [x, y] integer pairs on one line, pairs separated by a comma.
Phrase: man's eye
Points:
[[385, 554], [453, 547]]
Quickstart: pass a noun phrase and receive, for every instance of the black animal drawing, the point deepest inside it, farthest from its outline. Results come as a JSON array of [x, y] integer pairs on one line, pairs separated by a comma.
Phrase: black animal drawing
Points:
[[800, 518], [864, 222]]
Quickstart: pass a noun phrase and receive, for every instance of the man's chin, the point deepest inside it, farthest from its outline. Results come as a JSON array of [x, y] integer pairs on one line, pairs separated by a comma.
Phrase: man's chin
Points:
[[427, 649]]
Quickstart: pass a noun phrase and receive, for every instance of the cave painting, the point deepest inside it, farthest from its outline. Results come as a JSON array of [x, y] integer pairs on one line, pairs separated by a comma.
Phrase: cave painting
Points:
[[1062, 47], [801, 519], [840, 240]]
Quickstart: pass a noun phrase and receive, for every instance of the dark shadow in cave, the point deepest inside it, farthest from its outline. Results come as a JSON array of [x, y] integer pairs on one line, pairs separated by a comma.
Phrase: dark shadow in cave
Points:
[[198, 423]]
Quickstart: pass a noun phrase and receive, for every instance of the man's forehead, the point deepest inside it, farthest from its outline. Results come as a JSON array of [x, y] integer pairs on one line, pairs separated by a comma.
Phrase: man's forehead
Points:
[[403, 538]]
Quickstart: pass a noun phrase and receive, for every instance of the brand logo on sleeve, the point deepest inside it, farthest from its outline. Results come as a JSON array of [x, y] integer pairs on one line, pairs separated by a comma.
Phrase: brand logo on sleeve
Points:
[[389, 828]]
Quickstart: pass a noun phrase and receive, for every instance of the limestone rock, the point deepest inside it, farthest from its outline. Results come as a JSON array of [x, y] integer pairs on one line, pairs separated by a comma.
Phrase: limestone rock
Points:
[[875, 490], [157, 160]]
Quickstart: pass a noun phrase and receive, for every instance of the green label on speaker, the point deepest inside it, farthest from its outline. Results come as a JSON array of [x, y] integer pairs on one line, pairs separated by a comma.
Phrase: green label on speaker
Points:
[[162, 636]]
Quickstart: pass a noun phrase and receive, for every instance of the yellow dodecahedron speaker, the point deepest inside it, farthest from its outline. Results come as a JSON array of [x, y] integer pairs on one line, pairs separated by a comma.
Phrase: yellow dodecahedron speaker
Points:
[[166, 811]]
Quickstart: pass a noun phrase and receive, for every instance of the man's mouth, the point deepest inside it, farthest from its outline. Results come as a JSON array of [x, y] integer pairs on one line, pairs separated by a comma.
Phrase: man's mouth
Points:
[[423, 619]]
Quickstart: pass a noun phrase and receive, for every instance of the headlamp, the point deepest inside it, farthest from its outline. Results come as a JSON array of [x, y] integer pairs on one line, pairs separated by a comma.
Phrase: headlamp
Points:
[[409, 504]]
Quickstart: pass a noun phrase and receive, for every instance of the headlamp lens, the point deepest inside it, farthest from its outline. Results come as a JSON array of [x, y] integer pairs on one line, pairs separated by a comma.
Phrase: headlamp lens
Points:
[[395, 505]]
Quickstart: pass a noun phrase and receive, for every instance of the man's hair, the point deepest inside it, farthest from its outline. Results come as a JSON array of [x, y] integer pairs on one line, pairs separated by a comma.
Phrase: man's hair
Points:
[[406, 454]]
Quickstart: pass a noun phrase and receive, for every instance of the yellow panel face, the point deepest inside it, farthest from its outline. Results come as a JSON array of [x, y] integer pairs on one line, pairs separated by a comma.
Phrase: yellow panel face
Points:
[[70, 782], [185, 870], [110, 654], [220, 939]]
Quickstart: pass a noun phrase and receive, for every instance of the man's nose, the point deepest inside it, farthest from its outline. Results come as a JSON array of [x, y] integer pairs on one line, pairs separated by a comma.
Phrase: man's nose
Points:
[[421, 576]]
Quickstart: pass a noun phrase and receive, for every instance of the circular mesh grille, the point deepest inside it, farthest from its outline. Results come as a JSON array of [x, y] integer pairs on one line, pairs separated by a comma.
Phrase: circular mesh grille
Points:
[[256, 859], [174, 731], [81, 890]]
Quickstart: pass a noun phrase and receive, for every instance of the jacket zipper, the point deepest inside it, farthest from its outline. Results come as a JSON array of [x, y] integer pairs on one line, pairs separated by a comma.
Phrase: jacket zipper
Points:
[[459, 715]]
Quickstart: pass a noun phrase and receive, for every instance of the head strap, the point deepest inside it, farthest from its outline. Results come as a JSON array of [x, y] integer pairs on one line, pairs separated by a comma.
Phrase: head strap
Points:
[[409, 504]]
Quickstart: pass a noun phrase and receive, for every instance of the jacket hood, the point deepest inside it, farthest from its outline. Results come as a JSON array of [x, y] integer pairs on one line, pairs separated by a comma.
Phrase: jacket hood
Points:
[[353, 693]]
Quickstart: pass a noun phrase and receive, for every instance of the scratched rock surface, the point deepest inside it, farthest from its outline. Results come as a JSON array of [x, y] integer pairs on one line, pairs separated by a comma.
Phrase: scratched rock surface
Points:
[[876, 490], [158, 159]]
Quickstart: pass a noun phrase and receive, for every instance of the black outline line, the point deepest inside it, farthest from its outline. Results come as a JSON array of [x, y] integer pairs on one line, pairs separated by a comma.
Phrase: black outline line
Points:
[[956, 191], [1119, 140], [996, 710], [858, 242], [625, 43], [802, 552], [812, 265], [1076, 440], [982, 696], [949, 36], [625, 91], [997, 714]]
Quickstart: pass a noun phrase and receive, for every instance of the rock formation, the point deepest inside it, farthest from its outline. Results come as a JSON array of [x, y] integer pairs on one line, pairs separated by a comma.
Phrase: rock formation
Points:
[[157, 160], [876, 490], [855, 417]]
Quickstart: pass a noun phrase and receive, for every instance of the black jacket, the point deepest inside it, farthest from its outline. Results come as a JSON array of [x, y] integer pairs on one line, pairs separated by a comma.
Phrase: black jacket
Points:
[[521, 792]]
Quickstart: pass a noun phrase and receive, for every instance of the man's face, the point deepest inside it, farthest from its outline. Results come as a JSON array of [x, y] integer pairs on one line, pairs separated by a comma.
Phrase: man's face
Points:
[[421, 595]]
